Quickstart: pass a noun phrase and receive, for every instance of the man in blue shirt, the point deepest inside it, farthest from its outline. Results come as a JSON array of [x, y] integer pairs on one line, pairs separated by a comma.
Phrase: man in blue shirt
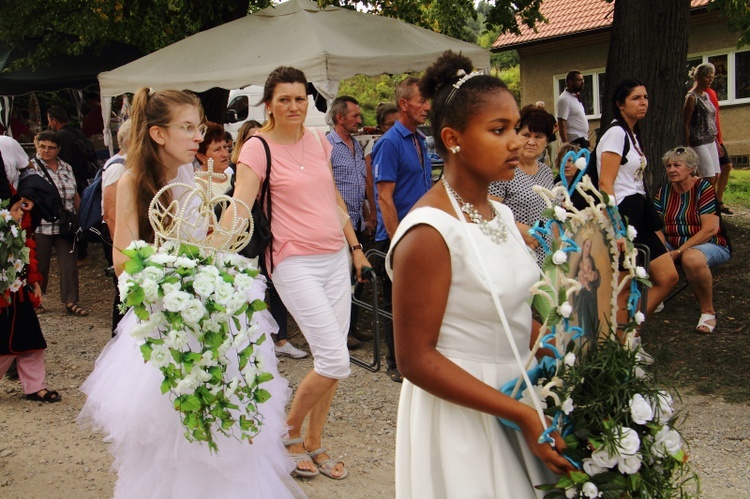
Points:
[[402, 173], [350, 174]]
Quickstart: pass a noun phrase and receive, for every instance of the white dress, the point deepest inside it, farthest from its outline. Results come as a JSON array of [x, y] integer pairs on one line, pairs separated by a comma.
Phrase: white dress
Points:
[[444, 450], [152, 457]]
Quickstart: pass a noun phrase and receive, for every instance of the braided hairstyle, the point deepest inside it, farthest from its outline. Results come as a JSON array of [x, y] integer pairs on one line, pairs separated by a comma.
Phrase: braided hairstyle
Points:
[[622, 91], [455, 109]]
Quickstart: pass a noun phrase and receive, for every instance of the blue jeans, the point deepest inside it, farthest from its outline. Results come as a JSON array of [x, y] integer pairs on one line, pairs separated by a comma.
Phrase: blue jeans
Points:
[[714, 253]]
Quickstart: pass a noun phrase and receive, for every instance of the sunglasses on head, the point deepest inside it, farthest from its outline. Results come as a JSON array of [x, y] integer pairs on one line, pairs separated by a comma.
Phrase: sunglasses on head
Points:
[[680, 150]]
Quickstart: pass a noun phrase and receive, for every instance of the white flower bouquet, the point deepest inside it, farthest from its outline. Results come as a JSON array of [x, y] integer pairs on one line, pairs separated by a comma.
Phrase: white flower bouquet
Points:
[[193, 316], [14, 255], [618, 424]]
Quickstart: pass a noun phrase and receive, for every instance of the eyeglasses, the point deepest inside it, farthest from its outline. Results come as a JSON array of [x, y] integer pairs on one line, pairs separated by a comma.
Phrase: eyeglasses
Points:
[[48, 148], [190, 129]]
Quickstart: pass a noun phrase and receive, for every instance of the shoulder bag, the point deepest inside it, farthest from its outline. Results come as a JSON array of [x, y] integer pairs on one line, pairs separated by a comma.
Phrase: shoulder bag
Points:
[[68, 220], [262, 237]]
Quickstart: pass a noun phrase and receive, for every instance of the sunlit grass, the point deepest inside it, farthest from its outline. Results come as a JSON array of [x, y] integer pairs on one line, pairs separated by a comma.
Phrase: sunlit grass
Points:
[[738, 189]]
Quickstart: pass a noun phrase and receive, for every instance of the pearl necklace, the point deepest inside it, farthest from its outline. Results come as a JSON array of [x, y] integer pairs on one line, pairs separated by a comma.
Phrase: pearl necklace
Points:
[[497, 232]]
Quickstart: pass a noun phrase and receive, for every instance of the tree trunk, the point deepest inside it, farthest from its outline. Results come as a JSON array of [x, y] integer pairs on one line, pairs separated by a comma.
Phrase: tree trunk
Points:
[[649, 42]]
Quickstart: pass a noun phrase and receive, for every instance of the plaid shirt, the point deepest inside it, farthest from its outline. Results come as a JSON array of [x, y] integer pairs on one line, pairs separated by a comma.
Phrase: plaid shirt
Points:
[[65, 182], [349, 172]]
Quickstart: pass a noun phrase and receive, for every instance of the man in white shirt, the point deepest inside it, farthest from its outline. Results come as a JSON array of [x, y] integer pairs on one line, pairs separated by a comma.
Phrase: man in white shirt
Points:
[[571, 115]]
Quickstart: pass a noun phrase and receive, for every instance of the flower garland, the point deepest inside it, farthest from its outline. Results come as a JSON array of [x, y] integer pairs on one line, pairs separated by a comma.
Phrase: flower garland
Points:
[[14, 255], [193, 313], [618, 425]]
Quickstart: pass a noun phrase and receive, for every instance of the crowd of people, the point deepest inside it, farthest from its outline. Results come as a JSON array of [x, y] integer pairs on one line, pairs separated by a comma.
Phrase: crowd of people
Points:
[[449, 245]]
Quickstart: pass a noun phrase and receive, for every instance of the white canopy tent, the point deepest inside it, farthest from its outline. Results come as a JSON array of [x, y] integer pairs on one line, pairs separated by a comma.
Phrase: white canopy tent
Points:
[[327, 44]]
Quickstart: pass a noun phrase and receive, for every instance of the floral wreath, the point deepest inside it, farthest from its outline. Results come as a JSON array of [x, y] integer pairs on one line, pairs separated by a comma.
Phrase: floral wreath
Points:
[[14, 256], [195, 312], [618, 425]]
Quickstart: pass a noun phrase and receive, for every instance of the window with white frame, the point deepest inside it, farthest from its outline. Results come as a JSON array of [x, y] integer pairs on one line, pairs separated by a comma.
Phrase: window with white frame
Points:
[[732, 80], [593, 85]]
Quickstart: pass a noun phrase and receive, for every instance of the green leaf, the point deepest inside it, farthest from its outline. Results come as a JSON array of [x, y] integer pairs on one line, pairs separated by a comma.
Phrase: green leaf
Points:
[[187, 403], [132, 267], [135, 296], [141, 312], [579, 476], [261, 340], [261, 395], [146, 351], [165, 386], [258, 305], [571, 441], [634, 482], [564, 482], [263, 378]]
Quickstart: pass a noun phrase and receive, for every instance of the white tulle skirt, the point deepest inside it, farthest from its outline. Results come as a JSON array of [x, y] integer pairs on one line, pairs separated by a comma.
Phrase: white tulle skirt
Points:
[[153, 458]]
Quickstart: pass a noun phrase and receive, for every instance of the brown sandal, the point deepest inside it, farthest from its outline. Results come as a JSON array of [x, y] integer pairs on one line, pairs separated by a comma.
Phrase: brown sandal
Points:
[[74, 309]]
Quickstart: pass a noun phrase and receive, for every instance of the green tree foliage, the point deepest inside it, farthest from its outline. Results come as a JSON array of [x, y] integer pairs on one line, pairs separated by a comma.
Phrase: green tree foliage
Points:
[[70, 26]]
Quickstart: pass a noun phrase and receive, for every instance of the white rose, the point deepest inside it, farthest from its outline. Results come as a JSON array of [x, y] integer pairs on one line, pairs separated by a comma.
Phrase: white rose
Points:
[[170, 287], [243, 282], [176, 301], [6, 215], [160, 356], [570, 359], [260, 362], [17, 284], [193, 311], [178, 339], [187, 385], [18, 265], [249, 372], [559, 257], [591, 468], [581, 163], [601, 458], [611, 201], [207, 359], [150, 290], [137, 245], [561, 213], [162, 258], [632, 232], [567, 406], [204, 285], [154, 273], [527, 399], [662, 407], [199, 374], [565, 309], [223, 292], [639, 318], [590, 490], [629, 464], [667, 440], [640, 409], [123, 285], [571, 493], [629, 442], [231, 387], [640, 272], [184, 262]]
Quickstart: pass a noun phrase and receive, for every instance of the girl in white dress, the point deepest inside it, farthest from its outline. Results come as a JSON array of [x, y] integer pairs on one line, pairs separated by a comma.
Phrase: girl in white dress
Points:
[[152, 457], [452, 348]]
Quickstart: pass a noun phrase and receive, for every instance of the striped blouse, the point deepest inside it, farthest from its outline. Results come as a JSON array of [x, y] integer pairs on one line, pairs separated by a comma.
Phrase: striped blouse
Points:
[[682, 212]]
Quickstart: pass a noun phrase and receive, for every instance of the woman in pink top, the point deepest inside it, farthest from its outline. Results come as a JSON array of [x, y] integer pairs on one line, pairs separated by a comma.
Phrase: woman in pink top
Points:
[[310, 261]]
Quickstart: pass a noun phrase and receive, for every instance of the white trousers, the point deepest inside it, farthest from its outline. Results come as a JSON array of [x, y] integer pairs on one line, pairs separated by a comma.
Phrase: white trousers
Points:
[[317, 292], [708, 160]]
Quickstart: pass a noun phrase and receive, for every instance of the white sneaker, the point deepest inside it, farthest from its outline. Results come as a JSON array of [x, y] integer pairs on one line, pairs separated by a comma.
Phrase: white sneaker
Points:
[[289, 350], [659, 308]]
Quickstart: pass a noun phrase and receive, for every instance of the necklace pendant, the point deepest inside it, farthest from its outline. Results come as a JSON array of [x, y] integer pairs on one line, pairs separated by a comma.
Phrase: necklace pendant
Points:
[[301, 167]]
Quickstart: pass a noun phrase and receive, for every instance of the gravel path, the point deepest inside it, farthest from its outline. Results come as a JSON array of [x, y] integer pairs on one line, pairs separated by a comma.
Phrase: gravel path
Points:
[[44, 454]]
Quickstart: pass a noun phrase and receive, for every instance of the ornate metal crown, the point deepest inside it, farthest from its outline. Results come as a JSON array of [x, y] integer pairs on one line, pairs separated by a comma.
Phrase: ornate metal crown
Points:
[[192, 216]]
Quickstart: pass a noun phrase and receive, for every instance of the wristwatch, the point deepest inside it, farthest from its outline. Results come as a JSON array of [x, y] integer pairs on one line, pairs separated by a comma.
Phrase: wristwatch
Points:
[[357, 246]]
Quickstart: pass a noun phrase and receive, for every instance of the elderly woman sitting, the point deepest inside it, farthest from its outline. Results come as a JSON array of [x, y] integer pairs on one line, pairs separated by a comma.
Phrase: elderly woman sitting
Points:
[[694, 235]]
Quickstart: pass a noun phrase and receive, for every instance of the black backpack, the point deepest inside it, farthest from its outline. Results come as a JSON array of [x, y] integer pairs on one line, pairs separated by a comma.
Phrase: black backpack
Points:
[[591, 169]]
